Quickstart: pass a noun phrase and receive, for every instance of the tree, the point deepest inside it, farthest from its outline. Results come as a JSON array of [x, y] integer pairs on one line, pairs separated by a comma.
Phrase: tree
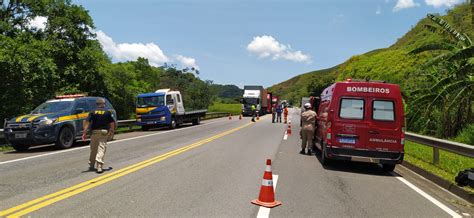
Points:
[[449, 79]]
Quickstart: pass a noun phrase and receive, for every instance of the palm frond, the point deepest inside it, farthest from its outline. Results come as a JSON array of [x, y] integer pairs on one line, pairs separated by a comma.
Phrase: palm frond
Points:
[[449, 29], [430, 28], [438, 59], [463, 93], [463, 54], [433, 47]]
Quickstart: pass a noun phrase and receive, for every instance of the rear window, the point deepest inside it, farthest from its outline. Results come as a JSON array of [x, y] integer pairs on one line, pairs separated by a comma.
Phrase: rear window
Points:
[[383, 110], [352, 109]]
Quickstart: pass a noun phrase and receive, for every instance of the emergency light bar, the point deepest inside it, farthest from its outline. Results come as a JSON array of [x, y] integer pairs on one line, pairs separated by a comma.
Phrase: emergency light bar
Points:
[[365, 80], [70, 96]]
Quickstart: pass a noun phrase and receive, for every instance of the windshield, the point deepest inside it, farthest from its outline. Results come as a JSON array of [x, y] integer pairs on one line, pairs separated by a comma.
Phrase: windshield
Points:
[[152, 101], [53, 107], [251, 101]]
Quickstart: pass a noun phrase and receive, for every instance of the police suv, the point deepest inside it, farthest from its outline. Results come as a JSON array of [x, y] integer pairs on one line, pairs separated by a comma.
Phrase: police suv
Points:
[[58, 121]]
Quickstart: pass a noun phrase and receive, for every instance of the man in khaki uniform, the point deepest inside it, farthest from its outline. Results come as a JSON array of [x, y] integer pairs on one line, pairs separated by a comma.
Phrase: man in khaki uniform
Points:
[[102, 126], [308, 119]]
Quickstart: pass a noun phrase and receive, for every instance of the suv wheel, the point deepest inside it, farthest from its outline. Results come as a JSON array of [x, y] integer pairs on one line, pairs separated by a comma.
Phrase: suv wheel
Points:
[[20, 147], [145, 127], [65, 138]]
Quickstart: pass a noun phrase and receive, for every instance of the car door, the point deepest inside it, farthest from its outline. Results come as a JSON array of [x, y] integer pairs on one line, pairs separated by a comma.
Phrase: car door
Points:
[[179, 104], [385, 128], [81, 110], [351, 125]]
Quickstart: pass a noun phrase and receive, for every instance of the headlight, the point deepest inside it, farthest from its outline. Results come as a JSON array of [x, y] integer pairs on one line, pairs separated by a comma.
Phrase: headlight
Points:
[[46, 122], [139, 119], [162, 118]]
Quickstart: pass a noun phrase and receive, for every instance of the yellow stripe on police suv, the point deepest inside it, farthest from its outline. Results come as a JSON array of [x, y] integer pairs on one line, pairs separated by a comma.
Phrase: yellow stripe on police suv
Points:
[[20, 118], [73, 117], [144, 110], [34, 117]]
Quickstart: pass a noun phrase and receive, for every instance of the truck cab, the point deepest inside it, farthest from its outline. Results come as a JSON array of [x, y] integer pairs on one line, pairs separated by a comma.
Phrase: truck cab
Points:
[[164, 108]]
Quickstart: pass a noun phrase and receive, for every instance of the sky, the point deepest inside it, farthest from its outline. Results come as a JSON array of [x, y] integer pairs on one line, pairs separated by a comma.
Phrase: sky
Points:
[[252, 42]]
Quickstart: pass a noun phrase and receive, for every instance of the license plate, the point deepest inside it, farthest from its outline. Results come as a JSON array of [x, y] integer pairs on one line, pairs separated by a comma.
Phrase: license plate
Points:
[[347, 140], [151, 122], [20, 135]]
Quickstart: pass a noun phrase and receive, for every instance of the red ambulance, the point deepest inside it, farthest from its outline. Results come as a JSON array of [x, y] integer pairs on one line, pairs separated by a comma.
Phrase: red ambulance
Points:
[[361, 121]]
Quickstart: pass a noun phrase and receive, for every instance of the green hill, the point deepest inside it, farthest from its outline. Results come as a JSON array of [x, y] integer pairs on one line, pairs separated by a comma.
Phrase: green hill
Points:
[[393, 64]]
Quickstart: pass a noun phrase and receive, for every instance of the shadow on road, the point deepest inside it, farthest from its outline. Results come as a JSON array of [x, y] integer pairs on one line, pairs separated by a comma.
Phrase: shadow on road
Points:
[[353, 167]]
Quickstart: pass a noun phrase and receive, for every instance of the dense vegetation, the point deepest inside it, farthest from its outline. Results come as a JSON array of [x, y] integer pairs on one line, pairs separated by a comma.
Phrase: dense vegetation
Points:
[[226, 93], [418, 62], [36, 64]]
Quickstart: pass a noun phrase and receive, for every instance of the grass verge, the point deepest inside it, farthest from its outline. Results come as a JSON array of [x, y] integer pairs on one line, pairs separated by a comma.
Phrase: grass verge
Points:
[[228, 108], [449, 164]]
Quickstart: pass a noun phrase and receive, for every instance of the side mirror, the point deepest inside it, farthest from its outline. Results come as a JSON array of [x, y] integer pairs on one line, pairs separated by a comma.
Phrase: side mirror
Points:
[[80, 110]]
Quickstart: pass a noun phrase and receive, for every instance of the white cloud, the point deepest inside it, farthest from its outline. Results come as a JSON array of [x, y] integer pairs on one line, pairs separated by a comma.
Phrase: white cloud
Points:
[[440, 3], [187, 61], [404, 4], [379, 10], [38, 22], [132, 51], [267, 46]]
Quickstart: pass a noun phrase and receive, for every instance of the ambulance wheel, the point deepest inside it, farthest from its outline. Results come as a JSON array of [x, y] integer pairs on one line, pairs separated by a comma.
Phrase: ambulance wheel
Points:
[[324, 157], [20, 147], [388, 167], [172, 124], [65, 138]]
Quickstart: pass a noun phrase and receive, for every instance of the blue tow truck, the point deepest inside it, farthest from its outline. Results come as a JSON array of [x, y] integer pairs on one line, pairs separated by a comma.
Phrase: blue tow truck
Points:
[[164, 108]]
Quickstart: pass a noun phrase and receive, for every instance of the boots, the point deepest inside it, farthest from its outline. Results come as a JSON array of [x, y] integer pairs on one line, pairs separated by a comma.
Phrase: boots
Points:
[[302, 151], [99, 168]]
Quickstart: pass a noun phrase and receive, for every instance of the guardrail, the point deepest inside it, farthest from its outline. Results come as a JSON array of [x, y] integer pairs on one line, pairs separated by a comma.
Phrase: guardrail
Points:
[[436, 144], [131, 123]]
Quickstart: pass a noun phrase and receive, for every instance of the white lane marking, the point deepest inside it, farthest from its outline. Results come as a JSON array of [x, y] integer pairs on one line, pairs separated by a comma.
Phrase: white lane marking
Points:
[[112, 142], [264, 212], [285, 137], [424, 194]]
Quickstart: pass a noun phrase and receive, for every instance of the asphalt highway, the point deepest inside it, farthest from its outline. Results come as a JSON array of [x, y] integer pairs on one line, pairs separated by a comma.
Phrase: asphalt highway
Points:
[[211, 170]]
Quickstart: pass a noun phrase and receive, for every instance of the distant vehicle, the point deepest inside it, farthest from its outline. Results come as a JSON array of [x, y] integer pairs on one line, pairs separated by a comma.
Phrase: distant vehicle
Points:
[[164, 108], [361, 121], [275, 102], [255, 95], [304, 100], [58, 121]]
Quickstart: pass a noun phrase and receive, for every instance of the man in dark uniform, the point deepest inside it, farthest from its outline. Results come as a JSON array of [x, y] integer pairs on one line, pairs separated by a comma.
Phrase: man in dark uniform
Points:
[[102, 125]]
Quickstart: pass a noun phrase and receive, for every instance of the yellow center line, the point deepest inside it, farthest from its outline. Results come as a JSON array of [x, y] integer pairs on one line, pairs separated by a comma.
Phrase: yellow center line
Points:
[[46, 200]]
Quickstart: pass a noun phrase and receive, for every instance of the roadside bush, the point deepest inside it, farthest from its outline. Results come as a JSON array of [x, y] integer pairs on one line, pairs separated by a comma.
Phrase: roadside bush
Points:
[[466, 135]]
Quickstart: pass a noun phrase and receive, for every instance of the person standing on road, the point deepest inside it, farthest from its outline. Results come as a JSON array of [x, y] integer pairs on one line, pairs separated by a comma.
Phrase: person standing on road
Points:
[[279, 110], [254, 111], [307, 130], [102, 125], [273, 113], [285, 113]]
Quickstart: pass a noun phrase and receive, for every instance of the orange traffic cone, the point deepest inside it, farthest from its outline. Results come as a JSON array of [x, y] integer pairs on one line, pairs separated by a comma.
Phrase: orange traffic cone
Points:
[[240, 116], [267, 195], [230, 116], [288, 130]]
